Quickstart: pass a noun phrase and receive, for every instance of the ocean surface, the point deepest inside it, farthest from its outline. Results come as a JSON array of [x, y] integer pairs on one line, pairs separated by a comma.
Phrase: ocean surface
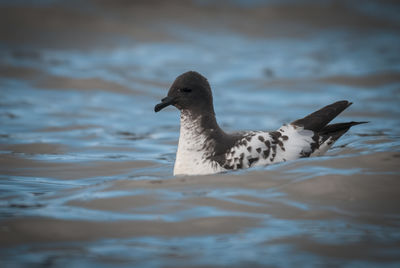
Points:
[[86, 165]]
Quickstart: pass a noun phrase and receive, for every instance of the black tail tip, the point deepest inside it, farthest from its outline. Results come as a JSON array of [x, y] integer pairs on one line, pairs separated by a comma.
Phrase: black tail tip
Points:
[[359, 123]]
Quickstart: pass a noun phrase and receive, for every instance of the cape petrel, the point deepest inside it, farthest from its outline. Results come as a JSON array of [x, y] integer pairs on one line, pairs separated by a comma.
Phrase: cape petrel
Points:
[[204, 148]]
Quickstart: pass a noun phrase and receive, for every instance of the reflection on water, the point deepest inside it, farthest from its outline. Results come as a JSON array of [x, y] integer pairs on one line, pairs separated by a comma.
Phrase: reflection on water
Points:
[[86, 165]]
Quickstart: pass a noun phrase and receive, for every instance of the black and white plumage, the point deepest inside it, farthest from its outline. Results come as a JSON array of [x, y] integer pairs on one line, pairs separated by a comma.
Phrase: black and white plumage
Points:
[[204, 148]]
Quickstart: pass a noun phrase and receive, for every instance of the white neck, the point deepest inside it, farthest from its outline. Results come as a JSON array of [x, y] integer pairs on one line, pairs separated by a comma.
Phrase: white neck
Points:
[[191, 157]]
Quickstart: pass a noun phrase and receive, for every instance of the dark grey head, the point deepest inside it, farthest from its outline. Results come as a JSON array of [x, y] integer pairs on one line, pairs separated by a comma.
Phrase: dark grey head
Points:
[[190, 91]]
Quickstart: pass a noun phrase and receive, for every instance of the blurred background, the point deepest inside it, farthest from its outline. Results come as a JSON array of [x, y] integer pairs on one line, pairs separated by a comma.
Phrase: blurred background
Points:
[[86, 164]]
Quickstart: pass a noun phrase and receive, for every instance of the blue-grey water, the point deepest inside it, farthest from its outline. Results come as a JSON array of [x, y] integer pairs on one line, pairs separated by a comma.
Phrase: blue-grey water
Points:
[[86, 165]]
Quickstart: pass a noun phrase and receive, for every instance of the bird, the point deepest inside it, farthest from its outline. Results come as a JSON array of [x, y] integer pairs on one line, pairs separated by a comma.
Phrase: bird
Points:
[[204, 148]]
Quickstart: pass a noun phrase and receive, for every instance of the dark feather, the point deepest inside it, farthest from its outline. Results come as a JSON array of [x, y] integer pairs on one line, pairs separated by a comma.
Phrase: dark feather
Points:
[[319, 119], [335, 131], [339, 127]]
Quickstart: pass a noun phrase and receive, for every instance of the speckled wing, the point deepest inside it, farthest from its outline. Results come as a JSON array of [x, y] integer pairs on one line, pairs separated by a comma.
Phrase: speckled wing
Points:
[[264, 148]]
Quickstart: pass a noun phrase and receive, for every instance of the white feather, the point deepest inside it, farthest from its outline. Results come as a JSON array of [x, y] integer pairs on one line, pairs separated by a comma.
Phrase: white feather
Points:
[[191, 158]]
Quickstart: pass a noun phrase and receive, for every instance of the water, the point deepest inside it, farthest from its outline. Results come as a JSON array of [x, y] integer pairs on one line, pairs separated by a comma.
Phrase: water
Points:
[[86, 164]]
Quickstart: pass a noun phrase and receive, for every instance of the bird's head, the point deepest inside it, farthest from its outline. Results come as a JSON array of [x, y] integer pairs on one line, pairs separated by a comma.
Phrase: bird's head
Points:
[[190, 91]]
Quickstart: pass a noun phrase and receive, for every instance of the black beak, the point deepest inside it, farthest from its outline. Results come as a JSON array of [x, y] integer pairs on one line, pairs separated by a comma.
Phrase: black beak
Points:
[[164, 103]]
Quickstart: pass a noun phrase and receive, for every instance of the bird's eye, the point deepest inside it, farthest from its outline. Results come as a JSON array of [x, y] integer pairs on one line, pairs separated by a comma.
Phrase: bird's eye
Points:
[[186, 90]]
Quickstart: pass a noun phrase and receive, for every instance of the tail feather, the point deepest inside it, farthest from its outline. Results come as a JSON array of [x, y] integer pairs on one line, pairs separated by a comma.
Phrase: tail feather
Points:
[[335, 131], [339, 127], [319, 119], [330, 134]]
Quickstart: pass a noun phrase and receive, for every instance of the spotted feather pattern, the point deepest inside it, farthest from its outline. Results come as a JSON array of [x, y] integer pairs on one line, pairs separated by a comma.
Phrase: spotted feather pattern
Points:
[[263, 148], [204, 148], [254, 148]]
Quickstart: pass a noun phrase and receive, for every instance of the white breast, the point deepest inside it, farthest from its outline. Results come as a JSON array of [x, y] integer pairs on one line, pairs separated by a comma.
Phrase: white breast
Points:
[[191, 157]]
